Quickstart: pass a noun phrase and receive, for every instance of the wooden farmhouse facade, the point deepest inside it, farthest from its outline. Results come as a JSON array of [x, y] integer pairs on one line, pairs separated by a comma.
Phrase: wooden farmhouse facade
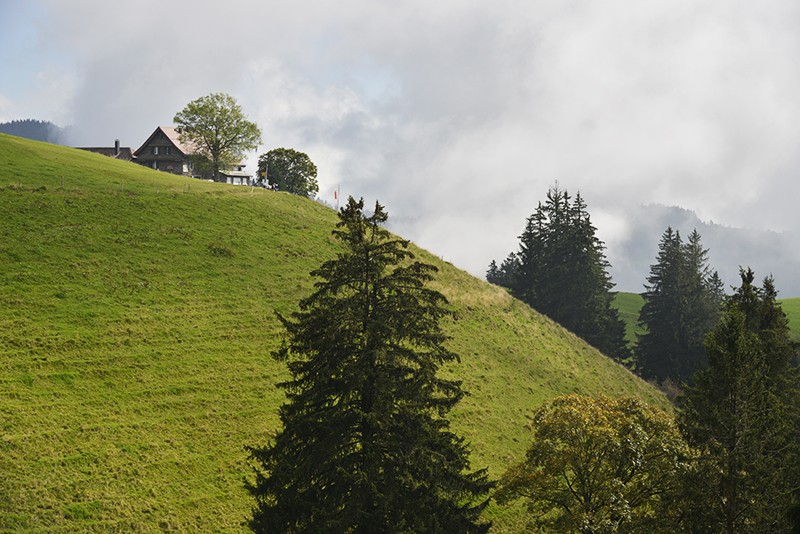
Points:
[[163, 151]]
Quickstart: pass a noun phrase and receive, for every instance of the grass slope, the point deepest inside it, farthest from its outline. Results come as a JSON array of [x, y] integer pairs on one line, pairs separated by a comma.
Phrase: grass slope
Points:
[[137, 314], [791, 307], [629, 305]]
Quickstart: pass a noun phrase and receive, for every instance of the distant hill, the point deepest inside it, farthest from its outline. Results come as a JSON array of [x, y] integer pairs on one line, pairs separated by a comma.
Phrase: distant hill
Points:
[[766, 252], [137, 315], [36, 130]]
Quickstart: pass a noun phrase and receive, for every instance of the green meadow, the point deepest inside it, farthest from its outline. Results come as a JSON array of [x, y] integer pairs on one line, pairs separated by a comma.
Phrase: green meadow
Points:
[[629, 305], [791, 307], [137, 316]]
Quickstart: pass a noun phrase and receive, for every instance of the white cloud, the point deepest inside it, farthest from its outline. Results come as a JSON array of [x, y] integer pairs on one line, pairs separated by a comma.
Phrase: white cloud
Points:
[[458, 116]]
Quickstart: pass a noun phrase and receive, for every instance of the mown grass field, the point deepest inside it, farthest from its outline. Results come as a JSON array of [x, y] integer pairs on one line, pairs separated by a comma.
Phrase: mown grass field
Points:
[[137, 315]]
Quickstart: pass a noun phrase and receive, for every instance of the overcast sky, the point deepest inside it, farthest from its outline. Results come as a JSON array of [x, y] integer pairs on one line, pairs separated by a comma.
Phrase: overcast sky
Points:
[[457, 115]]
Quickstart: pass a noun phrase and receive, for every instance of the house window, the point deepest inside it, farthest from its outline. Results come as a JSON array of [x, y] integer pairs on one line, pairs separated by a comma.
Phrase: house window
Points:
[[155, 165], [155, 150], [167, 150]]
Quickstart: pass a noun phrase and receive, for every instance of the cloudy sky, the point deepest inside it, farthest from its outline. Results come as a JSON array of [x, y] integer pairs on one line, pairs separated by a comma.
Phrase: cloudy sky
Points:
[[455, 114]]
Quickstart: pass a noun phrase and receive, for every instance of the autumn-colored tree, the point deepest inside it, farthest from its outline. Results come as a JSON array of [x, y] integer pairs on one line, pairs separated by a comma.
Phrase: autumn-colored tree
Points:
[[598, 465]]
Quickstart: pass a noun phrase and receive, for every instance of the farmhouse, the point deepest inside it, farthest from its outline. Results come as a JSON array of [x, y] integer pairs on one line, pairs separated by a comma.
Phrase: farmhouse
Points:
[[163, 151]]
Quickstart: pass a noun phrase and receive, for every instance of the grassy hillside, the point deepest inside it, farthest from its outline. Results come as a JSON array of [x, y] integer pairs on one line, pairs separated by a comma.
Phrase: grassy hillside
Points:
[[792, 309], [137, 314], [629, 305]]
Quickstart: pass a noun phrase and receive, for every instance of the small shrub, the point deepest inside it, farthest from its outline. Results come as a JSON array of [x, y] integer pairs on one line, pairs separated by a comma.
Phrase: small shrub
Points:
[[220, 250]]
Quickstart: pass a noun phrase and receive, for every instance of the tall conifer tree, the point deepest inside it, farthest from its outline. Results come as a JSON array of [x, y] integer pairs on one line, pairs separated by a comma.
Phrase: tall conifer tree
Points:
[[365, 445], [561, 271], [742, 415], [681, 306], [660, 315]]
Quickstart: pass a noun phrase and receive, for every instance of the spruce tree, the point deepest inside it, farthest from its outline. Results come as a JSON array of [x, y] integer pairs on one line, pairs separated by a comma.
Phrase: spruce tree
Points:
[[365, 445], [660, 314], [561, 271], [505, 274], [742, 415], [681, 306]]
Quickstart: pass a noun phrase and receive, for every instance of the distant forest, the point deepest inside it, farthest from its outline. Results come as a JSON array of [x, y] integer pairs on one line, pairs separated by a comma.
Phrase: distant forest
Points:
[[35, 129]]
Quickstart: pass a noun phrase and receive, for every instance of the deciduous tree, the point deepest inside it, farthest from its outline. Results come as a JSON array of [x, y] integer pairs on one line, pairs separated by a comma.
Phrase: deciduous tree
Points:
[[598, 465], [290, 170], [365, 445], [218, 130]]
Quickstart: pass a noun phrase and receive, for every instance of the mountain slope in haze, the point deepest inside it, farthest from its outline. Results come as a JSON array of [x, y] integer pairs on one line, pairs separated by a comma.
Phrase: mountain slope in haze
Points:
[[35, 129], [137, 315], [766, 252]]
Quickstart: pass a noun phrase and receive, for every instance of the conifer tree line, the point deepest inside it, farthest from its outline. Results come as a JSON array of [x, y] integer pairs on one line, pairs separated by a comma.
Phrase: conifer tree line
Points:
[[742, 415], [561, 271], [37, 130], [739, 412]]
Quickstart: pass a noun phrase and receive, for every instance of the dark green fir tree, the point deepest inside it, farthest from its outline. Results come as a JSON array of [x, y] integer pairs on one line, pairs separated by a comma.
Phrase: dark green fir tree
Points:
[[561, 271], [742, 416], [366, 445], [682, 300]]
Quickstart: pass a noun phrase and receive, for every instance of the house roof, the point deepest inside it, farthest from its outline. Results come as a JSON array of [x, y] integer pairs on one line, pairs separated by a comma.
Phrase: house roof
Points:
[[173, 136], [125, 152], [241, 174]]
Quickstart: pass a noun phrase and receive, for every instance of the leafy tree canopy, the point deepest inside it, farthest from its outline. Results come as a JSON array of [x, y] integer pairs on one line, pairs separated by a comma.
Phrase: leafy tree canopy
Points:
[[218, 130], [598, 465], [365, 444], [291, 170]]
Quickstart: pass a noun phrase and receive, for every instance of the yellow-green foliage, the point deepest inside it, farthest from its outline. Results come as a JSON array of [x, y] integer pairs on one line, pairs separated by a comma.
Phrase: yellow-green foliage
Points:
[[598, 464], [137, 315]]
